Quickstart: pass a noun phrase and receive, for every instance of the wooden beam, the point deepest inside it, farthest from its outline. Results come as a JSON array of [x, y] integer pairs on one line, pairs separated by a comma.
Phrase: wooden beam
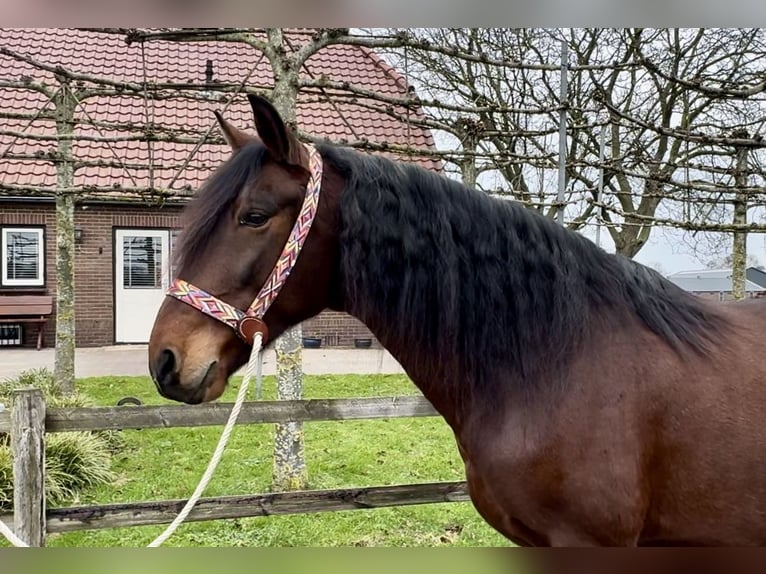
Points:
[[247, 506], [212, 414]]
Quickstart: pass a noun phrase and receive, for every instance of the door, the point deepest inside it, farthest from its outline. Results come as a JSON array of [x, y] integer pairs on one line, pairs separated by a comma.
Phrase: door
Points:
[[142, 271]]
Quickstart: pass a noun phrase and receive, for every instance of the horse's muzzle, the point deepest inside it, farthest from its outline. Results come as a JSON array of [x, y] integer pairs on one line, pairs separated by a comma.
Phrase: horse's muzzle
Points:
[[167, 379]]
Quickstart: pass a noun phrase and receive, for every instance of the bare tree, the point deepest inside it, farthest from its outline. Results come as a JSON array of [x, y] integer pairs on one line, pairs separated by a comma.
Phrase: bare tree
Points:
[[64, 361], [60, 104], [666, 97], [485, 107], [661, 129], [289, 472]]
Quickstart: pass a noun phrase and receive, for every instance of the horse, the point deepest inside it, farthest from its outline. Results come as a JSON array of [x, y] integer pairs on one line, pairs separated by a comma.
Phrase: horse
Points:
[[593, 402]]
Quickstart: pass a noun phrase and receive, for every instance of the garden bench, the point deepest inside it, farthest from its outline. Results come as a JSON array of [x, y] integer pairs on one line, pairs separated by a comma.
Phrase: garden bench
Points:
[[32, 309]]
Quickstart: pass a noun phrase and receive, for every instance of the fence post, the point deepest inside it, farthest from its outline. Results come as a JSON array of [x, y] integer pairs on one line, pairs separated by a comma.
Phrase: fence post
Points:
[[27, 445]]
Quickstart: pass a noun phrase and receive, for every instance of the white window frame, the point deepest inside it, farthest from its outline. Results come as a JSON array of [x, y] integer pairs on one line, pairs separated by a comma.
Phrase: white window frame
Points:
[[40, 280]]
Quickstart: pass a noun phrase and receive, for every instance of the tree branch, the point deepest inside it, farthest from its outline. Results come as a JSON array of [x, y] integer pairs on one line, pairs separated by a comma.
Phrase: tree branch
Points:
[[697, 86], [756, 142]]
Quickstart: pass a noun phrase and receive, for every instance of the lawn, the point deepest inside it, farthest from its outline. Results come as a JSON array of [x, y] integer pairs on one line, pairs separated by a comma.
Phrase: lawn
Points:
[[165, 464]]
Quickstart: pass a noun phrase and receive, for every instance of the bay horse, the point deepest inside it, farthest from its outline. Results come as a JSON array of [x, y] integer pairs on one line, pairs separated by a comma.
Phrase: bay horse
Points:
[[592, 401]]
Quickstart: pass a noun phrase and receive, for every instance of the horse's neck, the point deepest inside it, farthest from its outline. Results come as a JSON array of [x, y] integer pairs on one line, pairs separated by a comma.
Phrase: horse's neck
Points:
[[426, 373], [369, 270]]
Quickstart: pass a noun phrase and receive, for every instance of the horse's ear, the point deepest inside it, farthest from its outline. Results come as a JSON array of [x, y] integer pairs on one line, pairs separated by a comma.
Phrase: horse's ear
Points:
[[235, 137], [278, 138]]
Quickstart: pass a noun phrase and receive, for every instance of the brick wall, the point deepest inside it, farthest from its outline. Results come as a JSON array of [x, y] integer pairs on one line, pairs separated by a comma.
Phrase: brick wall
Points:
[[94, 261], [94, 279], [94, 272], [337, 329]]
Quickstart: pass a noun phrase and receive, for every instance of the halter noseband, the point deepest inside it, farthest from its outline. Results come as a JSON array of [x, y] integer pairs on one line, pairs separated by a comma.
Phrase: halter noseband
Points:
[[247, 323]]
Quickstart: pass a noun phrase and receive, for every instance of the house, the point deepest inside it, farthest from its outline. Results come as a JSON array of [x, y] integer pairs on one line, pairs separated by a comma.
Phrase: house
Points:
[[124, 235], [716, 283]]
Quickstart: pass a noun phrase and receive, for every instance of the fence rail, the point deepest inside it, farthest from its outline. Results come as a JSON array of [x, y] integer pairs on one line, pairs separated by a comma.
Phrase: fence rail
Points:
[[29, 420], [215, 414], [253, 505]]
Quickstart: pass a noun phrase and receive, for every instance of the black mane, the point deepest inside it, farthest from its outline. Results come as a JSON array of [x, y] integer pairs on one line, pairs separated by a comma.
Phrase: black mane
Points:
[[475, 283], [214, 199]]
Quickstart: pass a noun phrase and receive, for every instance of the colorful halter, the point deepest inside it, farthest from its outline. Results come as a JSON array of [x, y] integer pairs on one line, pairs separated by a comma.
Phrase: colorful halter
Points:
[[247, 323]]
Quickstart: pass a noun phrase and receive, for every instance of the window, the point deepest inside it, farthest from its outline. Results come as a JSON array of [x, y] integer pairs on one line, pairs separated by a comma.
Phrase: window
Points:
[[23, 257], [142, 262]]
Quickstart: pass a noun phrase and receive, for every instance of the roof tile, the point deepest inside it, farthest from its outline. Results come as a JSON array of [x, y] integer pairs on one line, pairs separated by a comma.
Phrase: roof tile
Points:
[[107, 56]]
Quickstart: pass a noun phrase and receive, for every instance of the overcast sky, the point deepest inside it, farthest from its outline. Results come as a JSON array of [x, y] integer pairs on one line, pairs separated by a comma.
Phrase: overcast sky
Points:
[[670, 250]]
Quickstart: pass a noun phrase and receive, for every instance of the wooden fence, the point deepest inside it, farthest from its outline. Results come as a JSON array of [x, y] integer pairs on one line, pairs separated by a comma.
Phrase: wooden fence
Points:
[[28, 422]]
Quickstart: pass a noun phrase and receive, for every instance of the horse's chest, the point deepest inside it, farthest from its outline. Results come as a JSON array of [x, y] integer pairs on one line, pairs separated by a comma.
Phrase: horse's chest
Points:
[[500, 497]]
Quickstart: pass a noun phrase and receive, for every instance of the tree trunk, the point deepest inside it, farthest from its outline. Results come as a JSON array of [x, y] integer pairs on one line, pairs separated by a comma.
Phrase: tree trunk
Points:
[[563, 102], [468, 163], [289, 472], [739, 243], [628, 241], [65, 252]]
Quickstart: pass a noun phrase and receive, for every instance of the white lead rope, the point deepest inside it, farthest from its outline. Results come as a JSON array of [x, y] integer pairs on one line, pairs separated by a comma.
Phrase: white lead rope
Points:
[[208, 474], [10, 535]]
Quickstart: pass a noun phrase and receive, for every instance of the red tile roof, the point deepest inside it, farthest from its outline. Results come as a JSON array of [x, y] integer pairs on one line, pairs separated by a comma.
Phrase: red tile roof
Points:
[[108, 56]]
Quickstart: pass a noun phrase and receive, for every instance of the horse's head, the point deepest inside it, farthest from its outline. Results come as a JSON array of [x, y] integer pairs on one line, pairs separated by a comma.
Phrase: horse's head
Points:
[[235, 230]]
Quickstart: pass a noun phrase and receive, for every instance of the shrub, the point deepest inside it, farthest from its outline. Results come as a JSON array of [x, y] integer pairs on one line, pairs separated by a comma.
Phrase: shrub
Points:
[[79, 460], [6, 478], [74, 461], [42, 379]]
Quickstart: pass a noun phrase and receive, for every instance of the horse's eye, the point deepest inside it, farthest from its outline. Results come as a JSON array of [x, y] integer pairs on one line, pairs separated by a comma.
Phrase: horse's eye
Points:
[[254, 219]]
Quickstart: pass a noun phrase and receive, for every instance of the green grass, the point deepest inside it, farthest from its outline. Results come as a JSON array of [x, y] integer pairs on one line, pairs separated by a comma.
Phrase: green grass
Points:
[[166, 464]]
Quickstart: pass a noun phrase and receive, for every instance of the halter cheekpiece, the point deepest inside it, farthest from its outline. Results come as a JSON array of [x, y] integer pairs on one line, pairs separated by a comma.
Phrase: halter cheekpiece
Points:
[[247, 323]]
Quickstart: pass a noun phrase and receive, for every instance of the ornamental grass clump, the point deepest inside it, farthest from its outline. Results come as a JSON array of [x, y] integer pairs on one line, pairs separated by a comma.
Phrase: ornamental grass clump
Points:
[[74, 461]]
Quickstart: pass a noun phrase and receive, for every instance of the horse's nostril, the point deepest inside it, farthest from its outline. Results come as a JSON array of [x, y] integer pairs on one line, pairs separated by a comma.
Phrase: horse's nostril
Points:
[[165, 366]]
